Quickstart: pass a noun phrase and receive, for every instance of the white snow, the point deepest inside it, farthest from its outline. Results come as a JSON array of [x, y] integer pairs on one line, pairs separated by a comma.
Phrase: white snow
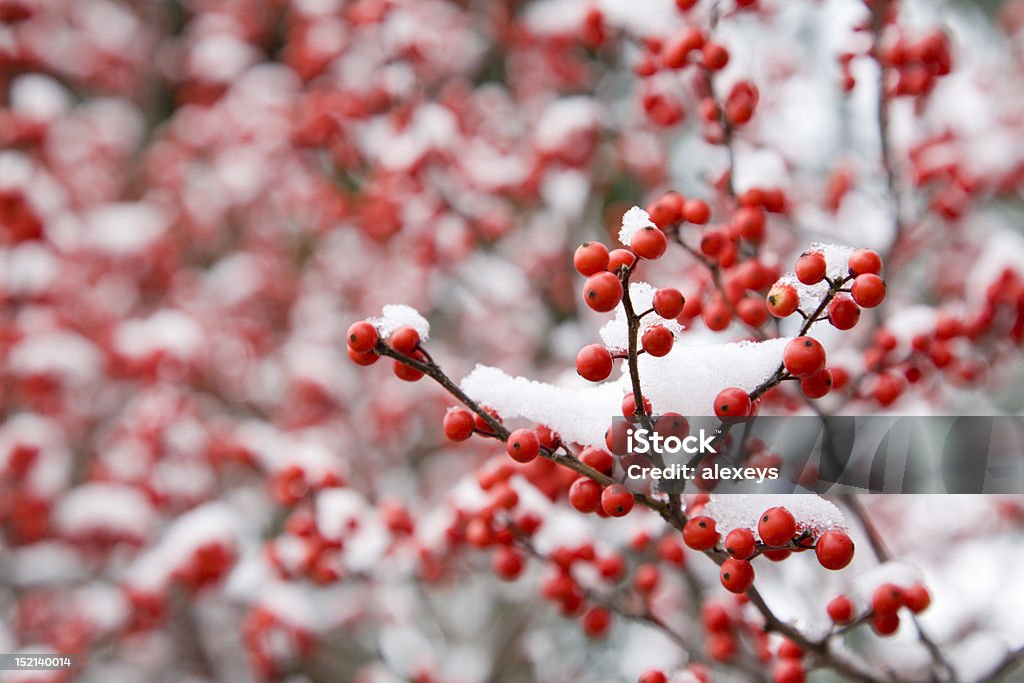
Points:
[[734, 511], [684, 381], [615, 332], [166, 330], [65, 354], [1004, 249], [123, 228], [39, 96], [108, 508], [634, 220], [837, 260], [394, 316]]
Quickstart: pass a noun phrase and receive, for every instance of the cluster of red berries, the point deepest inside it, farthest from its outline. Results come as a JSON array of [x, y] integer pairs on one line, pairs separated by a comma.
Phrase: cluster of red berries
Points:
[[883, 612], [303, 552], [780, 535], [363, 339]]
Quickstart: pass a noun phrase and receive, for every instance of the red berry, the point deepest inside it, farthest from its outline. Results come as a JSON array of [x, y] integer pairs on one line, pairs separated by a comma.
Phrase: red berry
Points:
[[611, 567], [406, 372], [810, 268], [778, 555], [594, 363], [405, 340], [752, 311], [362, 337], [736, 575], [715, 56], [602, 292], [843, 313], [585, 494], [721, 647], [716, 315], [750, 222], [481, 424], [818, 384], [507, 563], [590, 258], [887, 599], [790, 650], [697, 211], [522, 445], [803, 357], [865, 261], [618, 258], [669, 303], [715, 618], [646, 578], [600, 460], [782, 300], [732, 404], [834, 550], [917, 598], [685, 5], [885, 623], [649, 243], [868, 290], [840, 610], [712, 242], [671, 550], [676, 50], [629, 405], [617, 500], [596, 622], [740, 543], [666, 210], [788, 670], [657, 340], [776, 527], [652, 676], [458, 424], [700, 533], [368, 358], [672, 424]]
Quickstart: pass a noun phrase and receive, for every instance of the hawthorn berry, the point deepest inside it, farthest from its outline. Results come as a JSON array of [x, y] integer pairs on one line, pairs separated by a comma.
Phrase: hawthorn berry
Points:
[[668, 303], [619, 258], [810, 268], [523, 445], [458, 424], [843, 313], [740, 543], [629, 405], [596, 622], [672, 424], [732, 404], [788, 670], [917, 598], [750, 223], [616, 500], [736, 575], [803, 357], [585, 494], [590, 258], [834, 550], [712, 242], [657, 340], [602, 292], [405, 340], [840, 610], [700, 533], [776, 527], [818, 384], [868, 290], [782, 300], [362, 337], [887, 599], [594, 363], [865, 261]]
